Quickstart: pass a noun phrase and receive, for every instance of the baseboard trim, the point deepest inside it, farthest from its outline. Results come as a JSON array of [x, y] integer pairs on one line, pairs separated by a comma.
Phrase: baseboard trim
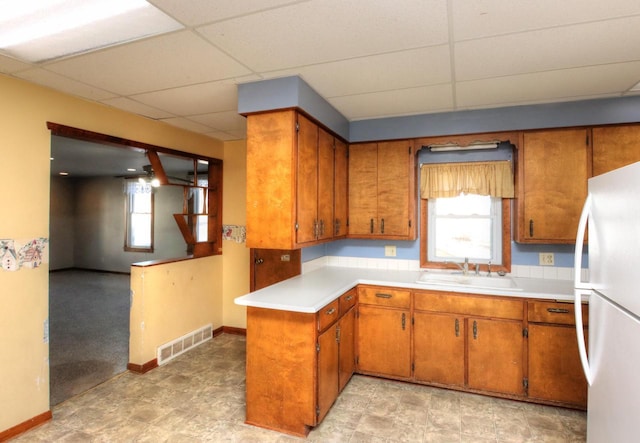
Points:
[[141, 369], [25, 426], [232, 330]]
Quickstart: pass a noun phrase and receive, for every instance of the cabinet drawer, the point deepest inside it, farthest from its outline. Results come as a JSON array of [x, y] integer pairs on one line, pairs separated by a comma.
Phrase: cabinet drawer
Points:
[[556, 313], [347, 300], [436, 301], [382, 296], [328, 315]]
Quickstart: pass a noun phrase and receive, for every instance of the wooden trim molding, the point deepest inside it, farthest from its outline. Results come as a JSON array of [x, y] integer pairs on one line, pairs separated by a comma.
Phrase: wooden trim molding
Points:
[[233, 331], [141, 369], [25, 426]]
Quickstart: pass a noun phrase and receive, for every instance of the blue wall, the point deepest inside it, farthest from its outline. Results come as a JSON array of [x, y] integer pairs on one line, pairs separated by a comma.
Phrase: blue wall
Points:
[[293, 92]]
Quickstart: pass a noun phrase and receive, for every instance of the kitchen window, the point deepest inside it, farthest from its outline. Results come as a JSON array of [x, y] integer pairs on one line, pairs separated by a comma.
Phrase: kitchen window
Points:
[[465, 213], [467, 226]]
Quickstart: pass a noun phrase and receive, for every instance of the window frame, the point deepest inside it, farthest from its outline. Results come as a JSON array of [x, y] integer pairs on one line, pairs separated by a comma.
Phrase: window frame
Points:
[[127, 224], [506, 240]]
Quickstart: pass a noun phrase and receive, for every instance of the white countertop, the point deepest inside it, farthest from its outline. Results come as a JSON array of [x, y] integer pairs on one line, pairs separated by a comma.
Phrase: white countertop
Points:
[[311, 291]]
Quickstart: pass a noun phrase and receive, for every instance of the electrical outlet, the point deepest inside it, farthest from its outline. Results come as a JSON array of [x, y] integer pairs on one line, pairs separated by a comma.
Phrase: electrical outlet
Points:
[[546, 259], [389, 251]]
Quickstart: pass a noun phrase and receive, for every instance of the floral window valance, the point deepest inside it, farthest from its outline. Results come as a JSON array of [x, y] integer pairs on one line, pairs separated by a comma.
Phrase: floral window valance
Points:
[[494, 178]]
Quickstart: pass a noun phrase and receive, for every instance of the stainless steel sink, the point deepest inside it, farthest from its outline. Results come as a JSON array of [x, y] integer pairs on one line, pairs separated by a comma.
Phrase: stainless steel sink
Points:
[[469, 281]]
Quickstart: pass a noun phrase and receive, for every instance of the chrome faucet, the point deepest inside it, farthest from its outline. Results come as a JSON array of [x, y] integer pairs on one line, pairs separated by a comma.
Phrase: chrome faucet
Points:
[[464, 267]]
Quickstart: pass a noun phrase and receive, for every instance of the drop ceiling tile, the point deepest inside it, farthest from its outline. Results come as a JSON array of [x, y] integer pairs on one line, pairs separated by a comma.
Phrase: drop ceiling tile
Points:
[[64, 84], [410, 101], [10, 65], [223, 121], [226, 136], [194, 99], [129, 105], [329, 30], [476, 19], [187, 124], [566, 84], [595, 43], [206, 11], [162, 62], [404, 69]]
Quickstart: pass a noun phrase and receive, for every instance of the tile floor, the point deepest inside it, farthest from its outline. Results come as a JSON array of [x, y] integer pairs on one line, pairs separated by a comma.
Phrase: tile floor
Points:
[[199, 397]]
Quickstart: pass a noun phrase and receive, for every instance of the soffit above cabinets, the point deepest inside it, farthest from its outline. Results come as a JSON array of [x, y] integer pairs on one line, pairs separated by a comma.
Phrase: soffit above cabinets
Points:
[[367, 58]]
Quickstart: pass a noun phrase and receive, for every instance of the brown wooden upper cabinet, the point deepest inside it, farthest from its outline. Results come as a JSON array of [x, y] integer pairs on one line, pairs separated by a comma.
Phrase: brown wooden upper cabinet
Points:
[[552, 169], [296, 182], [382, 190], [615, 147]]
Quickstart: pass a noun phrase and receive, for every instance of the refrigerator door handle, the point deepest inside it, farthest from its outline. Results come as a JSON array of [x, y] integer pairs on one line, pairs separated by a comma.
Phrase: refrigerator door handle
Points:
[[582, 348], [577, 257], [581, 288]]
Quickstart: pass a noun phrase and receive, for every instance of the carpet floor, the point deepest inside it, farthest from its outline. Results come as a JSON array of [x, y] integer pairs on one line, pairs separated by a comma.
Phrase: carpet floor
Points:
[[88, 330]]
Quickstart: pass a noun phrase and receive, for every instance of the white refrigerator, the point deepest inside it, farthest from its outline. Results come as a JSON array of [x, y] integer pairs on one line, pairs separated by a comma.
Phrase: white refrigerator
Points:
[[612, 366]]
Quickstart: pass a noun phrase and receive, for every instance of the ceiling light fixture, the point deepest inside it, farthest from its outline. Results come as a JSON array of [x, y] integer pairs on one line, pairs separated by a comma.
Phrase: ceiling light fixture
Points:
[[37, 30], [456, 147]]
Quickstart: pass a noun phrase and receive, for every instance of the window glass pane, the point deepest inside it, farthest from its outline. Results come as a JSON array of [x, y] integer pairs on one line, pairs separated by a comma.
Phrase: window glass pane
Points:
[[463, 237], [141, 203], [201, 228], [140, 230], [468, 204]]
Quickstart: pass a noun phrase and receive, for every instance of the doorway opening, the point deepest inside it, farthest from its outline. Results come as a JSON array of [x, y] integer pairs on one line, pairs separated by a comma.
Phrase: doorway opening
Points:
[[89, 297]]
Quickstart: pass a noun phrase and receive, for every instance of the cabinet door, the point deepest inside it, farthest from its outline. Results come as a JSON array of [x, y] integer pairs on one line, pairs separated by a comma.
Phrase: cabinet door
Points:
[[341, 190], [270, 186], [555, 371], [346, 358], [363, 189], [325, 185], [307, 181], [615, 147], [438, 348], [394, 188], [553, 172], [495, 356], [327, 370], [384, 345]]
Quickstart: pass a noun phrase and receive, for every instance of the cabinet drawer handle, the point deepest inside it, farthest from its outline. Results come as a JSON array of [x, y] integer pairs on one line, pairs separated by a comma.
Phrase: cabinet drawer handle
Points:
[[404, 321], [531, 228], [331, 311], [475, 330], [371, 226], [349, 297], [558, 310], [382, 226], [457, 327], [381, 295]]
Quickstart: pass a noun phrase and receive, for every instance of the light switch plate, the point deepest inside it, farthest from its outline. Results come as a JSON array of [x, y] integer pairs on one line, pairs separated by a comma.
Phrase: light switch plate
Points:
[[389, 251], [546, 259]]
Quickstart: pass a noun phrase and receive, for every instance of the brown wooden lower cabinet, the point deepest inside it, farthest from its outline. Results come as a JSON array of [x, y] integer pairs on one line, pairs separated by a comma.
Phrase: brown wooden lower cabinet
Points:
[[555, 371], [298, 363], [439, 344], [458, 350], [495, 355], [384, 332]]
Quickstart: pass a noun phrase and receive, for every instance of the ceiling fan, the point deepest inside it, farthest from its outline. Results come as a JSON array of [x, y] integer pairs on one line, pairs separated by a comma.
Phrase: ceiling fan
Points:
[[149, 176]]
